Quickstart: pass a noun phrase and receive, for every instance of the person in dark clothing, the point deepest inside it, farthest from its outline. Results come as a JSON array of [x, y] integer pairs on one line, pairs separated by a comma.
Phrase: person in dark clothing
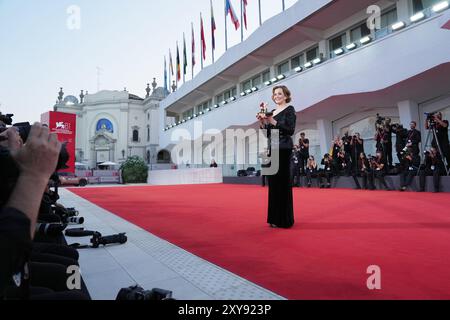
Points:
[[327, 172], [357, 147], [379, 169], [295, 167], [441, 127], [311, 170], [303, 145], [410, 166], [283, 119], [434, 166], [336, 146], [365, 172], [35, 161], [413, 139]]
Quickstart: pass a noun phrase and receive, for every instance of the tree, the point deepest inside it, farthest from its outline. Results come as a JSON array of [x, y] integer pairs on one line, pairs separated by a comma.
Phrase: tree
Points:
[[134, 170]]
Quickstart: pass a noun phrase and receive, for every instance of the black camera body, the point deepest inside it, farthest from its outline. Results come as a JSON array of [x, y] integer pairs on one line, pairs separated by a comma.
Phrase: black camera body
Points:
[[98, 240], [6, 118], [137, 293], [431, 119]]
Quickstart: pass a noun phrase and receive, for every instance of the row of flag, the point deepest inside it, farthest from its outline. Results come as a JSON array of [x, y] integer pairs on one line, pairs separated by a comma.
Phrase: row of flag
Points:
[[229, 12]]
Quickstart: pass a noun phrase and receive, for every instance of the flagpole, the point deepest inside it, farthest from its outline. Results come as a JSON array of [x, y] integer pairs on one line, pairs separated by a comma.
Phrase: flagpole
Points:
[[184, 58], [193, 51], [170, 71], [242, 20], [177, 60], [213, 40], [226, 31], [260, 17]]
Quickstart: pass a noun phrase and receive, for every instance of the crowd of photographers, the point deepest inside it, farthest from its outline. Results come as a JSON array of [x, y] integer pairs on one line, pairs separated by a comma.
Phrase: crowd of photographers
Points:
[[36, 263], [34, 256], [347, 157]]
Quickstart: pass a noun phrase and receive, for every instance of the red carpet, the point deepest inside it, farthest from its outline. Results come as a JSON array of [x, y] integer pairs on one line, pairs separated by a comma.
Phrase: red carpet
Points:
[[337, 236]]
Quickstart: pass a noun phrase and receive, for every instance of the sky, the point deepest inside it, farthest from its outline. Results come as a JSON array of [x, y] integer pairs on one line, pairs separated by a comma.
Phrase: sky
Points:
[[44, 46]]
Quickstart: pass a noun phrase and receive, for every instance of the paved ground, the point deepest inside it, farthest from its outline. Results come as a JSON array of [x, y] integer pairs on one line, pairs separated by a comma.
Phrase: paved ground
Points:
[[151, 262]]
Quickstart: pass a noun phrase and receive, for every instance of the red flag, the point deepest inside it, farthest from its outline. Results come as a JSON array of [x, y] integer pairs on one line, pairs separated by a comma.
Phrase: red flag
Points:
[[202, 32], [213, 27]]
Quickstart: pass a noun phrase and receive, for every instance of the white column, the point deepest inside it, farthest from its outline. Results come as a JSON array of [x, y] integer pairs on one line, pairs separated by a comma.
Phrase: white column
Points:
[[404, 10], [323, 49], [408, 111], [325, 128]]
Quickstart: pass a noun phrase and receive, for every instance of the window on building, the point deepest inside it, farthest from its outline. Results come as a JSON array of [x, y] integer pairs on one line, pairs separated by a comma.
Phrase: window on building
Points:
[[256, 81], [188, 114], [359, 32], [388, 18], [135, 135], [338, 42], [266, 76], [246, 85], [312, 54], [283, 68], [234, 92], [148, 134], [419, 5], [297, 61], [219, 98]]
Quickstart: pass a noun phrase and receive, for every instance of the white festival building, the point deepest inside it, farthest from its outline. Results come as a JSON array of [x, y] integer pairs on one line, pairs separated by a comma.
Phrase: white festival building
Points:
[[341, 73]]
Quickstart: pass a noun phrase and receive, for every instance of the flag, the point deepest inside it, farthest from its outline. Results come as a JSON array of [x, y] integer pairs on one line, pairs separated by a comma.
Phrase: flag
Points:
[[203, 39], [165, 76], [245, 13], [171, 63], [193, 46], [185, 63], [229, 10], [178, 65], [213, 27]]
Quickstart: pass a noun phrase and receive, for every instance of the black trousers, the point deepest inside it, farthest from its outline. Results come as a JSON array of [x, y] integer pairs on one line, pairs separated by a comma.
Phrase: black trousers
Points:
[[407, 177], [328, 175], [387, 150], [281, 206], [436, 179], [379, 175], [310, 175]]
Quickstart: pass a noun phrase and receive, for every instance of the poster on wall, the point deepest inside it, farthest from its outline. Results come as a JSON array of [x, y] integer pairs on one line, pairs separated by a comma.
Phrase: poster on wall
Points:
[[64, 125]]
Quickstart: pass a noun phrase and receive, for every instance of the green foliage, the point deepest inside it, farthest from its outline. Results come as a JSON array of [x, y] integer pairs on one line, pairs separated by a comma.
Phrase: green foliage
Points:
[[134, 170]]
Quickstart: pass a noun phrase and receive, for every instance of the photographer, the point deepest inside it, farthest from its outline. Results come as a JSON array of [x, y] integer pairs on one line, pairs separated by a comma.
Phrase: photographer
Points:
[[434, 166], [311, 170], [327, 171], [295, 166], [378, 166], [410, 166], [401, 135], [435, 121], [36, 161], [336, 147], [347, 145], [414, 138], [303, 144], [24, 271], [365, 171]]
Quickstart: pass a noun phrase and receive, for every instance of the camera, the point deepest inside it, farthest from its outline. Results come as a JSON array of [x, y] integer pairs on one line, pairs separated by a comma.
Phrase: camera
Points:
[[98, 240], [51, 229], [431, 118], [6, 118], [137, 293]]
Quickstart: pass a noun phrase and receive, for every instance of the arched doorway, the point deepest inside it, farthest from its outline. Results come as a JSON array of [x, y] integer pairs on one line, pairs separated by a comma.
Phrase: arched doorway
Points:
[[164, 157]]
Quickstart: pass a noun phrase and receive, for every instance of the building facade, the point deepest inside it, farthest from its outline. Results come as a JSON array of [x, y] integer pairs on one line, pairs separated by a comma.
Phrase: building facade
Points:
[[342, 72], [114, 125]]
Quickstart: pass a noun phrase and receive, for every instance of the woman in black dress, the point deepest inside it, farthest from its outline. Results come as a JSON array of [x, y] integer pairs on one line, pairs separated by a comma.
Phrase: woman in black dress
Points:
[[281, 209]]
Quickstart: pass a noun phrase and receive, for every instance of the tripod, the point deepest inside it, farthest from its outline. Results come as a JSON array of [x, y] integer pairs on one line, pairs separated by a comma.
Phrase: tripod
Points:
[[432, 133]]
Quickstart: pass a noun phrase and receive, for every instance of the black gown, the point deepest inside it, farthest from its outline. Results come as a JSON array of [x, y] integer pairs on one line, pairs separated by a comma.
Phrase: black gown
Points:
[[281, 208]]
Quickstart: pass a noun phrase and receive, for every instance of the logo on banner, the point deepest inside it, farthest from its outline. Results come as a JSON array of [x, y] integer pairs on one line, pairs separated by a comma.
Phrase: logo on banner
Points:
[[63, 127]]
